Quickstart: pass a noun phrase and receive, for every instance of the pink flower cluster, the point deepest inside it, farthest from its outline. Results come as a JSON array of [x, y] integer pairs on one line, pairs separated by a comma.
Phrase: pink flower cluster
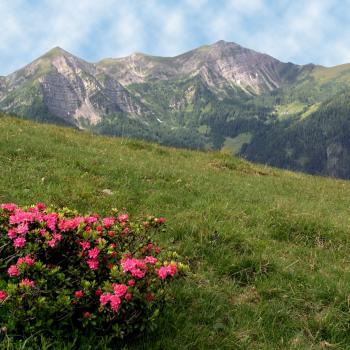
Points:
[[123, 218], [93, 264], [126, 262], [3, 295], [136, 267], [19, 242], [85, 245], [92, 254], [28, 260], [166, 271], [9, 207], [89, 220], [14, 271], [56, 237], [21, 220], [150, 260], [108, 222], [115, 299], [70, 224], [25, 282]]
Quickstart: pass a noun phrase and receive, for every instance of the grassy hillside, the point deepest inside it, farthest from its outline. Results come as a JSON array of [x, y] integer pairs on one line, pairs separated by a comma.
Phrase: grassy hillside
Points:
[[268, 249]]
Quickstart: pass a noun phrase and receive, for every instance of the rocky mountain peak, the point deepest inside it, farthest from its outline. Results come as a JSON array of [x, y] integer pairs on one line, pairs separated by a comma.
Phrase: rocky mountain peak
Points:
[[69, 88], [223, 44], [57, 51]]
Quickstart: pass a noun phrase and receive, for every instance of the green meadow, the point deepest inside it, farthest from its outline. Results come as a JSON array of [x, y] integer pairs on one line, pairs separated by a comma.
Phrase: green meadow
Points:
[[269, 250]]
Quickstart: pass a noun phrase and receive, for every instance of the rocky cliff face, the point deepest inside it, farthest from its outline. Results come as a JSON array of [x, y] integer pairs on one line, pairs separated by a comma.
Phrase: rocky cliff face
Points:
[[335, 158], [69, 88], [2, 86], [228, 64], [221, 65]]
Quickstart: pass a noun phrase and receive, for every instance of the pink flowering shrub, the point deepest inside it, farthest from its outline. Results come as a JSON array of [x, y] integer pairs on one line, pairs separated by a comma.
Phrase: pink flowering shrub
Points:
[[60, 270]]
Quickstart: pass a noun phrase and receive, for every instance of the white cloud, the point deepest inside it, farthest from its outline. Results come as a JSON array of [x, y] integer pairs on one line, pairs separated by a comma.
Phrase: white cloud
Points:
[[124, 35], [245, 6], [196, 4]]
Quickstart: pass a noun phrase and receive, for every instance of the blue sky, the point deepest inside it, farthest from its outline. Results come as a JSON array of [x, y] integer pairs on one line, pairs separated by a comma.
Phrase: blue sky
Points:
[[300, 31]]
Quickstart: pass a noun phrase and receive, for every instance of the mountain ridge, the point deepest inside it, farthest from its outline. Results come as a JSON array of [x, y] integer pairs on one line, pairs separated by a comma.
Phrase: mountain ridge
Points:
[[218, 96]]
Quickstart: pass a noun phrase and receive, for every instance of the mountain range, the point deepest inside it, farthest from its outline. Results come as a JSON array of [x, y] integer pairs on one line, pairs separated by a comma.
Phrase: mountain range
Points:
[[221, 96]]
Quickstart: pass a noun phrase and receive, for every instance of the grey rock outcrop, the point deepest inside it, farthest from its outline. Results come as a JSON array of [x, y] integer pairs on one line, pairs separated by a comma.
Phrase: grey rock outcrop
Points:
[[221, 65], [70, 88]]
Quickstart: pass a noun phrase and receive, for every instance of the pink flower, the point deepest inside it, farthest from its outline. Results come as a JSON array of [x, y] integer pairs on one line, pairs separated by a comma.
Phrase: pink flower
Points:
[[78, 294], [150, 260], [23, 228], [115, 302], [113, 299], [8, 206], [93, 264], [172, 269], [12, 234], [19, 216], [51, 220], [43, 232], [108, 222], [85, 245], [120, 289], [3, 295], [131, 283], [160, 220], [128, 296], [126, 230], [26, 260], [51, 243], [25, 282], [162, 273], [130, 264], [149, 297], [149, 246], [138, 273], [19, 242], [70, 224], [33, 210], [57, 236], [165, 271], [90, 219], [13, 271], [98, 292], [93, 253], [135, 266], [123, 217], [41, 206], [105, 298], [87, 314]]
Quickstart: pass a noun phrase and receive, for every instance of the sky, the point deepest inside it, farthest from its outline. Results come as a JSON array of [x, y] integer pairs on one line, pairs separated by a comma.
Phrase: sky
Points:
[[299, 31]]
